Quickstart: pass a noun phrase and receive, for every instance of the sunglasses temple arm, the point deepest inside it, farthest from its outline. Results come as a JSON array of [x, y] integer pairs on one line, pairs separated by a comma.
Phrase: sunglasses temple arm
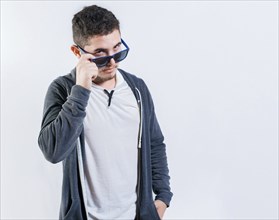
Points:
[[125, 44]]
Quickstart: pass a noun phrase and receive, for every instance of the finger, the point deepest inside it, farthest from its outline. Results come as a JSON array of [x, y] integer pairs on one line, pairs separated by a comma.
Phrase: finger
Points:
[[86, 56]]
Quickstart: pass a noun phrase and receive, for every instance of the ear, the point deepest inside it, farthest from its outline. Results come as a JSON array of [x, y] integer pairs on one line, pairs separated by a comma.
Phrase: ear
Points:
[[75, 50]]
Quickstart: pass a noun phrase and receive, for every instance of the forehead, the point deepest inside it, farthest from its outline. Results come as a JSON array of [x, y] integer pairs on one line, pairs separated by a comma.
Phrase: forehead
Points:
[[105, 41]]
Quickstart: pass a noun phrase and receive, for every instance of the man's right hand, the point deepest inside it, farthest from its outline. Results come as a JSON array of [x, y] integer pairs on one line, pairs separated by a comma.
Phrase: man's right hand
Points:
[[86, 71]]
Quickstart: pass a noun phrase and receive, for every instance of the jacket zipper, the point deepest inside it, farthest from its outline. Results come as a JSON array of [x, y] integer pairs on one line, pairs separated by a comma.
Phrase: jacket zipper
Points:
[[139, 158], [81, 175]]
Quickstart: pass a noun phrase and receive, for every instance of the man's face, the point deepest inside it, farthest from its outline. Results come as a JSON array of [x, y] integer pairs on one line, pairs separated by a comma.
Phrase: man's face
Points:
[[106, 45]]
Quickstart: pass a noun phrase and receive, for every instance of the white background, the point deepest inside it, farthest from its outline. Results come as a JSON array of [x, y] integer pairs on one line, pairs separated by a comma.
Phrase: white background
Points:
[[212, 69]]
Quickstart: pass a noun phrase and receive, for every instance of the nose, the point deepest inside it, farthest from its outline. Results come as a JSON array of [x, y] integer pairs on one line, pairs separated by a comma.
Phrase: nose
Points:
[[111, 62]]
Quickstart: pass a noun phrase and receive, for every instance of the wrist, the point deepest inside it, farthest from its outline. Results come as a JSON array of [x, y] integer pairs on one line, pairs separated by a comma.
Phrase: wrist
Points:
[[86, 85]]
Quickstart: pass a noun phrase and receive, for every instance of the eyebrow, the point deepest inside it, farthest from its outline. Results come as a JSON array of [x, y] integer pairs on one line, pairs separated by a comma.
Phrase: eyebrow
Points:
[[106, 50]]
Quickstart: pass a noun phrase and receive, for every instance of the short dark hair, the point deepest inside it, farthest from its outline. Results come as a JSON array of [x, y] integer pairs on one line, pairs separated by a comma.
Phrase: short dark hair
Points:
[[93, 21]]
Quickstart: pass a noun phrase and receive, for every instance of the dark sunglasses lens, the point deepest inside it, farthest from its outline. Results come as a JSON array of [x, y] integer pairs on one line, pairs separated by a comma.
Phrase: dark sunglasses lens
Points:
[[120, 56], [102, 61]]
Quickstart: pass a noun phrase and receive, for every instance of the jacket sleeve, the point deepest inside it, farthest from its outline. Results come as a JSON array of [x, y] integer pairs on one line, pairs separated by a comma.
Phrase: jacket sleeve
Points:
[[160, 171], [62, 120], [159, 164]]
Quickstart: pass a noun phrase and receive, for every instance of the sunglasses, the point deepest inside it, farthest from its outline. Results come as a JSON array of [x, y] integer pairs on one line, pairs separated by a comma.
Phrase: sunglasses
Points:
[[103, 61]]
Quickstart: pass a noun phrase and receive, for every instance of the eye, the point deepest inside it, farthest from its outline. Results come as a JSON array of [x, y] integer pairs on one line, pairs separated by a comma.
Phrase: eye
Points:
[[99, 53], [117, 47]]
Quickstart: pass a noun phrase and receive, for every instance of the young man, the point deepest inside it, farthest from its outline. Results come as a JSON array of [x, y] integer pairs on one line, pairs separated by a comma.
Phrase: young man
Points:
[[100, 121]]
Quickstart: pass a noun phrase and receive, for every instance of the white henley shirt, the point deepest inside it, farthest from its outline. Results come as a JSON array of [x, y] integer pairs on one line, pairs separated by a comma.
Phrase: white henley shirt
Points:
[[110, 165]]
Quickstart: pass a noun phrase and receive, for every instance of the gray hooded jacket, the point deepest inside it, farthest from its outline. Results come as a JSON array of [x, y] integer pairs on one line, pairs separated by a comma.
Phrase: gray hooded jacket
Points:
[[62, 139]]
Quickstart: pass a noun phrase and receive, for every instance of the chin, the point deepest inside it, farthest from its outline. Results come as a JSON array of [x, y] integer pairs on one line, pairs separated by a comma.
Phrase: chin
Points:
[[106, 75]]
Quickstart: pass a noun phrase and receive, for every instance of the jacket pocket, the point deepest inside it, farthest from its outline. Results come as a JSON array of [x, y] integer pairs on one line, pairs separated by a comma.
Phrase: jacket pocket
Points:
[[69, 215], [153, 211]]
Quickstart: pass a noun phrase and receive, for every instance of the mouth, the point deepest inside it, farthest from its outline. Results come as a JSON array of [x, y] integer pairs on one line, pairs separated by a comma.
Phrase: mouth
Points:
[[109, 69]]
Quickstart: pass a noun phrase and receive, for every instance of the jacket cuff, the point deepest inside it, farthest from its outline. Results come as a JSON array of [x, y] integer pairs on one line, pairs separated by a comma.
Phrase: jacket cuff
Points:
[[164, 197], [80, 94]]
